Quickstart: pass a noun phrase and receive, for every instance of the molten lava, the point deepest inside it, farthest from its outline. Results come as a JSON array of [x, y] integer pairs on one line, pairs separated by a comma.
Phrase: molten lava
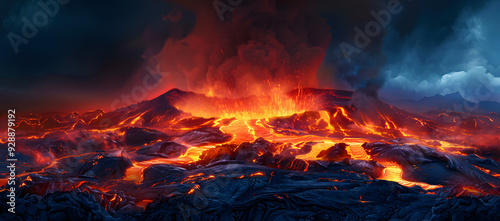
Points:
[[273, 104], [166, 143]]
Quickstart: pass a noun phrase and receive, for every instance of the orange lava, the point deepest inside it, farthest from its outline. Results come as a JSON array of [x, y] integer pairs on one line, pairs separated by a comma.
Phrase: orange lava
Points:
[[393, 172], [279, 118], [273, 104]]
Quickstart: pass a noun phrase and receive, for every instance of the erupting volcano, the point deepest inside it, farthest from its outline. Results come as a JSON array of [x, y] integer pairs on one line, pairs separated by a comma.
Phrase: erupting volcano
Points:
[[240, 120], [307, 153]]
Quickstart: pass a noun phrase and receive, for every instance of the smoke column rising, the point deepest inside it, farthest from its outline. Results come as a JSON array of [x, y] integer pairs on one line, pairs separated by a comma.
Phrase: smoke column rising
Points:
[[261, 45]]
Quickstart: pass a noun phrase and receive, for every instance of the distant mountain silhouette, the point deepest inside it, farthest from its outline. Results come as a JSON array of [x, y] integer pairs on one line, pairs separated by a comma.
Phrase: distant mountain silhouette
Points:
[[452, 102]]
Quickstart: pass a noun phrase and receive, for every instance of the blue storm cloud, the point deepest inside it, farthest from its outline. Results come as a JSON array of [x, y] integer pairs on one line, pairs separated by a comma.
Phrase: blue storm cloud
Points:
[[466, 60]]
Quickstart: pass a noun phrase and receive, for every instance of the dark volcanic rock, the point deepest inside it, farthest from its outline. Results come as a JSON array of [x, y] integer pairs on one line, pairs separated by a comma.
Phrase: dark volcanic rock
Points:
[[290, 163], [262, 145], [246, 151], [138, 136], [403, 154], [216, 154], [249, 152], [204, 136], [370, 168], [162, 172], [107, 167], [59, 206], [334, 153], [229, 189], [290, 151], [282, 195], [267, 159], [425, 164], [168, 149]]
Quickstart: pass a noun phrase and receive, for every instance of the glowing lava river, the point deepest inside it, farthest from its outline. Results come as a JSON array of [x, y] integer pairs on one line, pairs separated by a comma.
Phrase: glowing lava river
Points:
[[309, 154]]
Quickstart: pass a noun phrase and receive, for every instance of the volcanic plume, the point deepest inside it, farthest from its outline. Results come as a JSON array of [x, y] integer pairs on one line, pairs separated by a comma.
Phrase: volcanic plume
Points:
[[264, 46]]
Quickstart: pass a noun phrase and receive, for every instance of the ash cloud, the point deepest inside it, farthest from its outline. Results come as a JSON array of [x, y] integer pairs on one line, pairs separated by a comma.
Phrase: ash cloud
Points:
[[355, 57], [261, 45]]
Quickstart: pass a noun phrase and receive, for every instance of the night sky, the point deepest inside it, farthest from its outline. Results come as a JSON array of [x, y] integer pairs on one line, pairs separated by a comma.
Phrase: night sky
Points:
[[91, 53]]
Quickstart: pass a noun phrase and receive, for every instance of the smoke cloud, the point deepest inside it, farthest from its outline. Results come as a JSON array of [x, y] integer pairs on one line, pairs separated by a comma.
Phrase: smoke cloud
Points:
[[261, 45]]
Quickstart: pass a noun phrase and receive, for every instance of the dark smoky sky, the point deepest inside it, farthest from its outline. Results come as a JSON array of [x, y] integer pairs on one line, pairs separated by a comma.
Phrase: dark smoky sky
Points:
[[92, 53], [430, 47], [442, 49], [88, 53]]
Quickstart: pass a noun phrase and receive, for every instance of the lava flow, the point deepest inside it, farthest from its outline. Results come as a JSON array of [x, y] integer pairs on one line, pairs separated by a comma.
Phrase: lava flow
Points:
[[183, 143]]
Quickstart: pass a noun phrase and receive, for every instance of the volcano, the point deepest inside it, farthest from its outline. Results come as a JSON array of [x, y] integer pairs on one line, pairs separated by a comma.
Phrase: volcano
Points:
[[308, 154]]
